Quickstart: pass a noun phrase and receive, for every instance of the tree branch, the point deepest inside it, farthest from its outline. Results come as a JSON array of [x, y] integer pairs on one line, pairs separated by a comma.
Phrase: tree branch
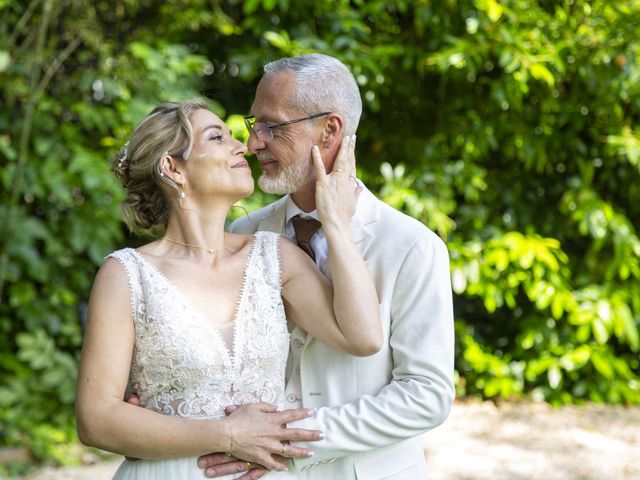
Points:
[[22, 22], [55, 65]]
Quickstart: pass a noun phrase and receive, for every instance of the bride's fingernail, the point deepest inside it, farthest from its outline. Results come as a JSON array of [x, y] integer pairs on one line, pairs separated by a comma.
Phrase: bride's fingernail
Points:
[[309, 454], [311, 412]]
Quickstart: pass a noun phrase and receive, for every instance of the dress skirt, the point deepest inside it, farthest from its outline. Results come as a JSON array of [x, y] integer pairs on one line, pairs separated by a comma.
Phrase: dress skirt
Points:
[[177, 469]]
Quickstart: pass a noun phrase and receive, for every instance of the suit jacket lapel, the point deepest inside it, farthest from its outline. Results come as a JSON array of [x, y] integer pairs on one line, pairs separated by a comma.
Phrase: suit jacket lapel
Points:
[[367, 212], [274, 220]]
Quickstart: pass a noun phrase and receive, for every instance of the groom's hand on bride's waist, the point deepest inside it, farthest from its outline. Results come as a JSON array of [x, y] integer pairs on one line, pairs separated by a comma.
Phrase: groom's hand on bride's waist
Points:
[[220, 464], [133, 399]]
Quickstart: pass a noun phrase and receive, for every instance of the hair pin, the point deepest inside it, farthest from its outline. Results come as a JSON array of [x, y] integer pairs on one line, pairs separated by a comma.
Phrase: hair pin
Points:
[[125, 154]]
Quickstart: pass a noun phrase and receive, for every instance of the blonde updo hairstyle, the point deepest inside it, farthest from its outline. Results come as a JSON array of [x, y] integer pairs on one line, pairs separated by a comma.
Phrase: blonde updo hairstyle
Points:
[[166, 130]]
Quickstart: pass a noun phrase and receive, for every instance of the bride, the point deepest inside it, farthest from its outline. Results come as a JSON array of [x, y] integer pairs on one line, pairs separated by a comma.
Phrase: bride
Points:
[[196, 320]]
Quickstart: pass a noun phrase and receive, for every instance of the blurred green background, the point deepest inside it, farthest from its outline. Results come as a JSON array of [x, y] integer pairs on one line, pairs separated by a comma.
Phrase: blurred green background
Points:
[[509, 127]]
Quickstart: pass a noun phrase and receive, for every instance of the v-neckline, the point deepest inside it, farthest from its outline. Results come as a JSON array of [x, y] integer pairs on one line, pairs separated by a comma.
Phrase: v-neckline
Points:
[[230, 355]]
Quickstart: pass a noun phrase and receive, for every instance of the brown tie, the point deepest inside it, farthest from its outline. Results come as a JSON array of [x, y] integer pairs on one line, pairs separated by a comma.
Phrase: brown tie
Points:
[[305, 228]]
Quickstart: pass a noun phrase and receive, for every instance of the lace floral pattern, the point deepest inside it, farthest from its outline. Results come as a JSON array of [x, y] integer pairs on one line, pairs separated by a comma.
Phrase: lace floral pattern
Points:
[[181, 365]]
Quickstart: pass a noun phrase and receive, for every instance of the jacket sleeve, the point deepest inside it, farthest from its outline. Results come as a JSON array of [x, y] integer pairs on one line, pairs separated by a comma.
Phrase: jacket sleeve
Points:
[[421, 391]]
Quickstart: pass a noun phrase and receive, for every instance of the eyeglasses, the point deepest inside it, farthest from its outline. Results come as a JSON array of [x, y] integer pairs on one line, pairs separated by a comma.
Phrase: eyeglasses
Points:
[[264, 131]]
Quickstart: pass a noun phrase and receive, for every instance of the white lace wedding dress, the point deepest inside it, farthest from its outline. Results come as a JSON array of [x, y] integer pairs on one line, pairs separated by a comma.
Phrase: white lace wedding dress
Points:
[[182, 364]]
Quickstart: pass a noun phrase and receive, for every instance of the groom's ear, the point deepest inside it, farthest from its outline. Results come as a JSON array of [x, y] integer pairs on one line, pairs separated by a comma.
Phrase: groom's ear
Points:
[[332, 132]]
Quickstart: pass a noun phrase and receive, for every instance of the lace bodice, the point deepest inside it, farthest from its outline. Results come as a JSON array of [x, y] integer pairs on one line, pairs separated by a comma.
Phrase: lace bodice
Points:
[[181, 365]]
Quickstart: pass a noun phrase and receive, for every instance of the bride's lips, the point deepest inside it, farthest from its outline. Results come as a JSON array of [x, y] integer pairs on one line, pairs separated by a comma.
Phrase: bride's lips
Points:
[[241, 164]]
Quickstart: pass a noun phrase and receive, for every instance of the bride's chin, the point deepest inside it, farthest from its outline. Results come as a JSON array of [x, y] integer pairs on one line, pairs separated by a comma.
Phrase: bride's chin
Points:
[[248, 190]]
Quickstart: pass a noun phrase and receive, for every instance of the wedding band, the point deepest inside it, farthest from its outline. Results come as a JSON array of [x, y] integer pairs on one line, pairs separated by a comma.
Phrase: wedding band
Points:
[[283, 448], [228, 454], [248, 464], [339, 170]]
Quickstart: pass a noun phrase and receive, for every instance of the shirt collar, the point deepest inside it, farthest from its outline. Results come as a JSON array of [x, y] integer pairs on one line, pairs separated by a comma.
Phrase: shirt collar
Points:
[[293, 210]]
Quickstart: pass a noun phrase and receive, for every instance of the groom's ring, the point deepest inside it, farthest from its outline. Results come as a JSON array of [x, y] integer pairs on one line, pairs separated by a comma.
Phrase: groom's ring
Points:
[[284, 445], [249, 466]]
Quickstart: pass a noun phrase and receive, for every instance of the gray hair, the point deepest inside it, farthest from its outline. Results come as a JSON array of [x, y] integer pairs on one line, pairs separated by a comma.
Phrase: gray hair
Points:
[[322, 83]]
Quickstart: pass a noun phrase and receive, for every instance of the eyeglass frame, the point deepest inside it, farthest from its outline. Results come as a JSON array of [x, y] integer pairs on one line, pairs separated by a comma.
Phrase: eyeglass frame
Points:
[[251, 126]]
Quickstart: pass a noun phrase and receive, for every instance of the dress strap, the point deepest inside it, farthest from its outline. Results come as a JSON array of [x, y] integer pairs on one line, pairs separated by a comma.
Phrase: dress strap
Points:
[[267, 257], [129, 261]]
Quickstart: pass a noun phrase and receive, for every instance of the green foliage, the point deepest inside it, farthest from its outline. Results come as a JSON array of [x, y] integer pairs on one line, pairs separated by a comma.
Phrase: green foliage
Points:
[[530, 169], [60, 213], [509, 127]]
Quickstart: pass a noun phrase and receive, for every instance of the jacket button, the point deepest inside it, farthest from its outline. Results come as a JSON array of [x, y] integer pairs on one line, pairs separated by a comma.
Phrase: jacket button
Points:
[[291, 398]]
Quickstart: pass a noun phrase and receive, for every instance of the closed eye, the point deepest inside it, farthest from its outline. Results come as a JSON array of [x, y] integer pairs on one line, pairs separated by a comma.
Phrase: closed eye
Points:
[[218, 138]]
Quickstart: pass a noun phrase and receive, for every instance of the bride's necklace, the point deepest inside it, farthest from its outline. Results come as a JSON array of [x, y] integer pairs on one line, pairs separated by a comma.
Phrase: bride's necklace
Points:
[[210, 250]]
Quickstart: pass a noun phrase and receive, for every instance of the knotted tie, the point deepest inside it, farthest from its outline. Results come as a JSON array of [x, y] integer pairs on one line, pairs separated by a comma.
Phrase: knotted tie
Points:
[[305, 229]]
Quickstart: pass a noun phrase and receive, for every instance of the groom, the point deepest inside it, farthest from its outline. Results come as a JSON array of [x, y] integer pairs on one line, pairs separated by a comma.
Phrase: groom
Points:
[[370, 409]]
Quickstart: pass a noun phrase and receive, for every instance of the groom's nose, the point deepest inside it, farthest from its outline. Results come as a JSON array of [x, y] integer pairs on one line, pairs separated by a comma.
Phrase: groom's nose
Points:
[[254, 144]]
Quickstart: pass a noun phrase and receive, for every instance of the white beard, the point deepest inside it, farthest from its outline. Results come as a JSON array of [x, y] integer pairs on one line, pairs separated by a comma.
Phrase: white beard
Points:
[[287, 180]]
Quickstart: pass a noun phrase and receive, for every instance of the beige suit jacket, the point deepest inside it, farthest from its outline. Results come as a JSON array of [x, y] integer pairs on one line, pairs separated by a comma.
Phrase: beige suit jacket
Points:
[[372, 409]]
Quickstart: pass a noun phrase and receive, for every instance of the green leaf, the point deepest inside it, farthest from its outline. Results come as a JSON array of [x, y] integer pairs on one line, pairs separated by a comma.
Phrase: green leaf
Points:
[[250, 6], [576, 359], [279, 40], [631, 332], [540, 72], [269, 4], [602, 365], [554, 375], [600, 332], [5, 60]]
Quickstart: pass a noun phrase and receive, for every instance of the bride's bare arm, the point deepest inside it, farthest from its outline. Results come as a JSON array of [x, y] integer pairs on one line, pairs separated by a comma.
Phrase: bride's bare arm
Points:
[[346, 314], [106, 421]]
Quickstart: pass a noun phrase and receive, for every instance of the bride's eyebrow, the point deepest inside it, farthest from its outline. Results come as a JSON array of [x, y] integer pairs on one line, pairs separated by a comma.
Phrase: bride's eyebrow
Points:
[[211, 127]]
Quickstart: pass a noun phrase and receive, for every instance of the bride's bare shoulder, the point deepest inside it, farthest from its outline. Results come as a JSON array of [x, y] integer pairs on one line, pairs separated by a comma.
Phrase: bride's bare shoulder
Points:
[[237, 242]]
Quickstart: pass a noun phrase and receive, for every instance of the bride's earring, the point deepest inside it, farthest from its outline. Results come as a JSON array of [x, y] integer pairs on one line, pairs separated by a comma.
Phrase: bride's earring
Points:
[[182, 197]]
